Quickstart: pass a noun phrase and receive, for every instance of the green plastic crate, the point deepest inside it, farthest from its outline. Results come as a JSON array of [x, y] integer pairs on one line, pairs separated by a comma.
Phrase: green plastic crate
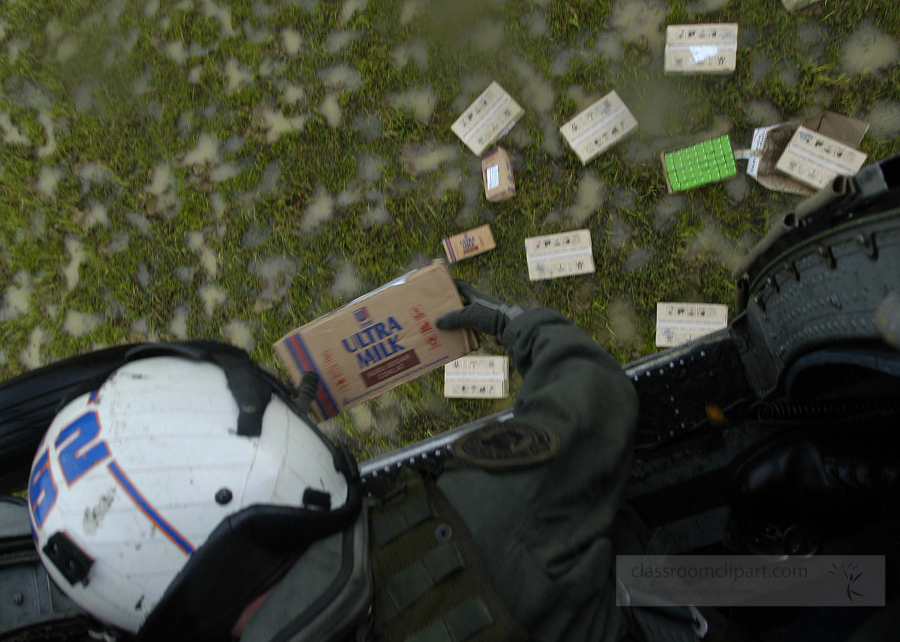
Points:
[[707, 162]]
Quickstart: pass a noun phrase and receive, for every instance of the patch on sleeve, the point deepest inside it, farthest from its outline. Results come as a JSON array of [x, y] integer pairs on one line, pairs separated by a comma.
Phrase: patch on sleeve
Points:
[[505, 445]]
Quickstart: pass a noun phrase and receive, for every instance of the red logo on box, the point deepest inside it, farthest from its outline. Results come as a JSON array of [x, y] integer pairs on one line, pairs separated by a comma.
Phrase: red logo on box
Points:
[[417, 312], [425, 326], [432, 341]]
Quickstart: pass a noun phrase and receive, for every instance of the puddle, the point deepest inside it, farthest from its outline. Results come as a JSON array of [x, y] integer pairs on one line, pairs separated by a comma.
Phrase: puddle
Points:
[[762, 112], [119, 242], [67, 48], [164, 186], [370, 169], [812, 40], [487, 36], [30, 357], [472, 85], [868, 49], [140, 331], [239, 334], [560, 64], [420, 101], [582, 100], [519, 137], [703, 6], [78, 324], [268, 185], [254, 35], [48, 180], [637, 259], [537, 26], [276, 123], [738, 188], [538, 92], [362, 419], [269, 67], [348, 197], [338, 40], [350, 7], [37, 223], [15, 46], [3, 358], [140, 86], [17, 296], [206, 151], [427, 158], [319, 210], [788, 73], [233, 144], [331, 110], [342, 77], [451, 180], [224, 172], [590, 196], [711, 241], [759, 67], [377, 215], [178, 325], [884, 119], [609, 46], [212, 297], [76, 254], [140, 222], [218, 204], [292, 94], [151, 8], [410, 9], [50, 146], [551, 141], [11, 133], [619, 233], [83, 97], [416, 50], [667, 209], [93, 174], [194, 74], [622, 322], [143, 275], [222, 14], [175, 50], [237, 75], [291, 41], [208, 259], [186, 123], [640, 20], [346, 283], [621, 198], [185, 274], [277, 272]]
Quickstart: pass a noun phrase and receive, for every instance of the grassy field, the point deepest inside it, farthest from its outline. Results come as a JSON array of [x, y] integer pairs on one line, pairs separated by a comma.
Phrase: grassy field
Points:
[[229, 171]]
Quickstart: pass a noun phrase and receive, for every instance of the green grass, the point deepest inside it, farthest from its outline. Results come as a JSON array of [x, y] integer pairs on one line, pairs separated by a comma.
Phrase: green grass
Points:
[[119, 134]]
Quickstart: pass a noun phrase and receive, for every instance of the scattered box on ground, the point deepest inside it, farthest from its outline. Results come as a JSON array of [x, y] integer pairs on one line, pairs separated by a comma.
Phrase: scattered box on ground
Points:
[[496, 170], [468, 244], [486, 120], [815, 159], [378, 341], [678, 323], [599, 127], [477, 378], [791, 5], [706, 162], [701, 49], [558, 255]]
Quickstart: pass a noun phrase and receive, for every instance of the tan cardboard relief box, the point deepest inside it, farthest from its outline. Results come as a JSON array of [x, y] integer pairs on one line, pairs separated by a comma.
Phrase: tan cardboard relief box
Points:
[[496, 170], [701, 49], [378, 341]]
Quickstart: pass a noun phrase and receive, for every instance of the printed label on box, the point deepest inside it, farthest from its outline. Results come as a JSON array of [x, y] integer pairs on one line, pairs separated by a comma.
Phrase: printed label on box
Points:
[[598, 127], [470, 243], [493, 176], [678, 323], [559, 255], [759, 141], [477, 378], [706, 48], [815, 160], [492, 114]]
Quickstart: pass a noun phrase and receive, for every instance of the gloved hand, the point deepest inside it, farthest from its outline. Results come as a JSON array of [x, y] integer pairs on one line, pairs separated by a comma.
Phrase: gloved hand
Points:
[[482, 313]]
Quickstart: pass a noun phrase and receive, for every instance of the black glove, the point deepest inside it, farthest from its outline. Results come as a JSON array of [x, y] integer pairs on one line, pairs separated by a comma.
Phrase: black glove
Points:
[[483, 313]]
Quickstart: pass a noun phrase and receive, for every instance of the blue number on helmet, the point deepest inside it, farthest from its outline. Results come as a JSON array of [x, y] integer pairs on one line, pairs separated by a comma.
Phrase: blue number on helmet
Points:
[[41, 489], [72, 462]]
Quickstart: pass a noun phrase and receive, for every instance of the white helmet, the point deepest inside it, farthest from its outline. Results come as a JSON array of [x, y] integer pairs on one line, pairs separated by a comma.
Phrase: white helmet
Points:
[[158, 488]]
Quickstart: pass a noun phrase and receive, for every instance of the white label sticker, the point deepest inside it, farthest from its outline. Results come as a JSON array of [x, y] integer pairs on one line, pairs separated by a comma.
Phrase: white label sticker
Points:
[[678, 323], [493, 177], [598, 127], [477, 378], [492, 114], [815, 160], [559, 255]]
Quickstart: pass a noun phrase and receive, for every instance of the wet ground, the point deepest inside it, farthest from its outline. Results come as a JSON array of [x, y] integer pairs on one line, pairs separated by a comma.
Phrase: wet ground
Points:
[[202, 169]]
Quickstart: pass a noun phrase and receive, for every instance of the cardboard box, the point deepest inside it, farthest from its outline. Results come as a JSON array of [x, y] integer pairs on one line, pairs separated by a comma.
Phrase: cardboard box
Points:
[[378, 341], [791, 5], [488, 119], [496, 170], [701, 49], [469, 244], [598, 127], [559, 255], [678, 323], [815, 159], [477, 378]]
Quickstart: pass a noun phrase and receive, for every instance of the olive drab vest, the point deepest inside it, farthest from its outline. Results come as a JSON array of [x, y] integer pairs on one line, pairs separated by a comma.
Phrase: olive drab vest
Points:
[[430, 584]]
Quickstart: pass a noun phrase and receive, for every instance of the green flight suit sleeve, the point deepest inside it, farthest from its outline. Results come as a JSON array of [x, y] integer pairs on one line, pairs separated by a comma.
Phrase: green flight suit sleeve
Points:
[[544, 531]]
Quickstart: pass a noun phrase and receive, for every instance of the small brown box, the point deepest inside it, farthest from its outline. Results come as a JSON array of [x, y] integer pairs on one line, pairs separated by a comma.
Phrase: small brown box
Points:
[[498, 177]]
